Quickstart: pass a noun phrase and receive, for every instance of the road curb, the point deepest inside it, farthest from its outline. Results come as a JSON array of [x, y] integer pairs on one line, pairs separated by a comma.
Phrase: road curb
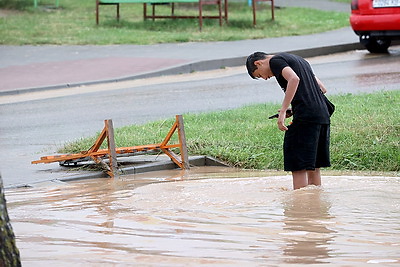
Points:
[[196, 161]]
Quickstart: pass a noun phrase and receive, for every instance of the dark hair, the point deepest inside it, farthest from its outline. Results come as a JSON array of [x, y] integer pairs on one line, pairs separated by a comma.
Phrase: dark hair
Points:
[[251, 68]]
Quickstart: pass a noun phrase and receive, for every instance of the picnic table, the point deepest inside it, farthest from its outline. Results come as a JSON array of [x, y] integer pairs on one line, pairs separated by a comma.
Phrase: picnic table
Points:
[[221, 5]]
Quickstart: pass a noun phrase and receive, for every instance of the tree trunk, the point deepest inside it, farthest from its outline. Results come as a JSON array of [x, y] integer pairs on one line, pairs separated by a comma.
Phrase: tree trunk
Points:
[[9, 254]]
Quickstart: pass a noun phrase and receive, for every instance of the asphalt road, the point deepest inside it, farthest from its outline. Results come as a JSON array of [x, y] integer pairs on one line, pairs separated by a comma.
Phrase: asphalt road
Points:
[[36, 124]]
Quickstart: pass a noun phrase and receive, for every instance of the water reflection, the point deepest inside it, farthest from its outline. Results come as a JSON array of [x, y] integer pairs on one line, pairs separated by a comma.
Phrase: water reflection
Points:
[[377, 79], [306, 228]]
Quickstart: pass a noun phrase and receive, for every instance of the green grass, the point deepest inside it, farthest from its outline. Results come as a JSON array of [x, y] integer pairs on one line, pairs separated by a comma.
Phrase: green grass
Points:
[[365, 133], [74, 23]]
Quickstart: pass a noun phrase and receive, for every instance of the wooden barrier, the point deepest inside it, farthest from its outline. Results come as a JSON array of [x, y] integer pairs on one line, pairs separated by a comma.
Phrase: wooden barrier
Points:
[[97, 155]]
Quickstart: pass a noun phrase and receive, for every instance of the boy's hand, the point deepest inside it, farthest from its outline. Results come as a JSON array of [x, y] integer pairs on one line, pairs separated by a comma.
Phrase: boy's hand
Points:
[[289, 112], [281, 120]]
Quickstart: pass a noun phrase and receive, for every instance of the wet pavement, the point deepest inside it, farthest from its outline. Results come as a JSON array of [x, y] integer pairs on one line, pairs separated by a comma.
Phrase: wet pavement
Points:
[[208, 217]]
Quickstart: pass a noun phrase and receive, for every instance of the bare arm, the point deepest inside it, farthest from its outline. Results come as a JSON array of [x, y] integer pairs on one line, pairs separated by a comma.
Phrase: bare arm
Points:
[[293, 82], [321, 85]]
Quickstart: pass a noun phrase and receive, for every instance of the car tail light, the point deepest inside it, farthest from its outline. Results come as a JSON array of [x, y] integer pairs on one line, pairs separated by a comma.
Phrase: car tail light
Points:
[[354, 5]]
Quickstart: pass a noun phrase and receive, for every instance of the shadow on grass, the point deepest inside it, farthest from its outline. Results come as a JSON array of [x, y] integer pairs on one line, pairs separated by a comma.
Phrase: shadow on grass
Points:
[[176, 25]]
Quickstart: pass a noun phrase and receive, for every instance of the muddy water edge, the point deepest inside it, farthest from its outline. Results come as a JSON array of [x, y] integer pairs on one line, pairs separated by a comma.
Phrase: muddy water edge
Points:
[[208, 216]]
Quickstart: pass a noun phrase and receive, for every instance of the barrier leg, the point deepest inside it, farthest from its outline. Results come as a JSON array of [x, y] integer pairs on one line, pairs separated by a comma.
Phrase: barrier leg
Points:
[[112, 154], [182, 141]]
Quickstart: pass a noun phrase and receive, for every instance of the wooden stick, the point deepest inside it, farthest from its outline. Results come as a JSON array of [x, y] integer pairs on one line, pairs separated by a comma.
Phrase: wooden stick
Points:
[[182, 142], [112, 154]]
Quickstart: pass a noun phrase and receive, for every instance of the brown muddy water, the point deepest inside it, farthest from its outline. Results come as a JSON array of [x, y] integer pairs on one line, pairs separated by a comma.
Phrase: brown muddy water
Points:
[[208, 216]]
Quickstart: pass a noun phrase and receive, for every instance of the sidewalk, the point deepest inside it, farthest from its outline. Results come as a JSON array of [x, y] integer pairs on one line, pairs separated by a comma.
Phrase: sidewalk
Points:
[[32, 68]]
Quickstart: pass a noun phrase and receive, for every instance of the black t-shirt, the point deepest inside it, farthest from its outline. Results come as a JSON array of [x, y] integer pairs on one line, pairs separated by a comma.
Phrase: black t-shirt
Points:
[[308, 103]]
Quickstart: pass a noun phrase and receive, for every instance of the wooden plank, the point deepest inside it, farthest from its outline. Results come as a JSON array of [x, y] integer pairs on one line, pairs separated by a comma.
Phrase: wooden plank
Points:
[[99, 140], [112, 154], [100, 152], [173, 157], [103, 165], [182, 142], [103, 152], [51, 159], [170, 133]]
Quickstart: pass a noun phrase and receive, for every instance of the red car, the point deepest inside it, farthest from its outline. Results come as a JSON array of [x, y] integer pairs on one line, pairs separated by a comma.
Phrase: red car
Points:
[[377, 22]]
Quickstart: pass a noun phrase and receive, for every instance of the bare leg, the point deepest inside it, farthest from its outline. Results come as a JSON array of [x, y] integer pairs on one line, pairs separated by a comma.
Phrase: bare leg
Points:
[[299, 179], [314, 177]]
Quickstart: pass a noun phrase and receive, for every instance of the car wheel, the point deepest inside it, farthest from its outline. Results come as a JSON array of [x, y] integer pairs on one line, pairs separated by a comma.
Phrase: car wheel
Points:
[[374, 44]]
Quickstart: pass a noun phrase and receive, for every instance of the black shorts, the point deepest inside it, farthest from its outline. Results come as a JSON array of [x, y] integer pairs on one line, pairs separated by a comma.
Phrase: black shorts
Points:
[[306, 146]]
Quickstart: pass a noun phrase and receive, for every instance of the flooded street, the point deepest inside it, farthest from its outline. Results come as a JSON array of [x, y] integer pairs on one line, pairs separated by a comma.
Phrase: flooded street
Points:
[[38, 124], [208, 216]]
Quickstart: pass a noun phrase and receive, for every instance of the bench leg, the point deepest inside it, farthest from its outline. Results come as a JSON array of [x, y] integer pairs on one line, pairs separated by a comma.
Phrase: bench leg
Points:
[[254, 5], [226, 11], [201, 14], [97, 12], [254, 11], [272, 10], [220, 12]]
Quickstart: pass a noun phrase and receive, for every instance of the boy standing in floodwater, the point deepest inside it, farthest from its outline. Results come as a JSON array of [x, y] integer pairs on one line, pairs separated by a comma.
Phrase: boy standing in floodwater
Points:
[[306, 142]]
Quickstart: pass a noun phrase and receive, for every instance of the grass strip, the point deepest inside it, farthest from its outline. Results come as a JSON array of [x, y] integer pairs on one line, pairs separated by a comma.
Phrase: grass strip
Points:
[[73, 23], [365, 133]]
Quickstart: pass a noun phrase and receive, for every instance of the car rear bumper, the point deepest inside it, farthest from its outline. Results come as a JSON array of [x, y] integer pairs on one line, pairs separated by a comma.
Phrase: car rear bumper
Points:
[[369, 23]]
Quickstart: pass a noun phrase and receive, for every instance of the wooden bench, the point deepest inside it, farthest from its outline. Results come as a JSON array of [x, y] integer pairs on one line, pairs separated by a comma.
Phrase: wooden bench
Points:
[[153, 16]]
